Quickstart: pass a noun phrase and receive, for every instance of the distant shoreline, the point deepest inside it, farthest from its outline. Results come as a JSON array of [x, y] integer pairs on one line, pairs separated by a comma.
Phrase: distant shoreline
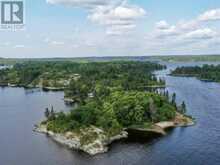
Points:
[[156, 58]]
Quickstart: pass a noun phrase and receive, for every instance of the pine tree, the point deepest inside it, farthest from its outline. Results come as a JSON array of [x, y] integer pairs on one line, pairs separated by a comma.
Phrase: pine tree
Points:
[[47, 113], [174, 99], [52, 114], [183, 107], [167, 95]]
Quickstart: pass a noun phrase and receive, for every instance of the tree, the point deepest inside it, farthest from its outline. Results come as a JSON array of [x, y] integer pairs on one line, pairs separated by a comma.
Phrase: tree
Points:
[[47, 113], [173, 101], [167, 95], [52, 109], [52, 114], [152, 109], [183, 107]]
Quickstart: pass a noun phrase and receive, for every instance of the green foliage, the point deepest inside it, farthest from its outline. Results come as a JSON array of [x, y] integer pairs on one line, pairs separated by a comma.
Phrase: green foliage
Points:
[[206, 72], [87, 114], [118, 110], [81, 77], [165, 113]]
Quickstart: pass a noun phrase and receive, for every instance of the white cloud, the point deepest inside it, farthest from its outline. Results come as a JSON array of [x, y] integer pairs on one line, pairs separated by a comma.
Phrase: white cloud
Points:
[[81, 3], [19, 46], [185, 34], [188, 25], [164, 29], [117, 19], [117, 16], [210, 15], [119, 29], [56, 43], [171, 31], [162, 25], [193, 29], [205, 33]]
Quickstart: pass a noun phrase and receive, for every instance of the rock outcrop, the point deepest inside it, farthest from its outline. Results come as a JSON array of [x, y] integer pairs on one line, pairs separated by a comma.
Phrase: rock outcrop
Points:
[[91, 140]]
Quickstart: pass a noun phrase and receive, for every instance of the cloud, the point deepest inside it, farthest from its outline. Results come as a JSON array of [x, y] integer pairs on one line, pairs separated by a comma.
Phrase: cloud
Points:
[[192, 29], [56, 43], [168, 32], [118, 19], [162, 25], [188, 25], [183, 34], [90, 4], [119, 29], [210, 15], [164, 29], [53, 42], [117, 16], [205, 33], [19, 46]]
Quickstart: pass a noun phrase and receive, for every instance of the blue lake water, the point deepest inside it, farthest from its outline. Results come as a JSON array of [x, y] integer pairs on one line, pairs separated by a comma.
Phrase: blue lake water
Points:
[[198, 145]]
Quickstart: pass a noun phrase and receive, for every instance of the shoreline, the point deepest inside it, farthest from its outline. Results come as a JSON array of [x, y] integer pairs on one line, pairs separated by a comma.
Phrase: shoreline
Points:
[[100, 144], [33, 87], [73, 140]]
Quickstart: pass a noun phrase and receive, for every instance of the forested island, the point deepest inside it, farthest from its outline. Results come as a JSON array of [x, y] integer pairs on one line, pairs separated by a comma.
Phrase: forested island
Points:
[[113, 98], [205, 72]]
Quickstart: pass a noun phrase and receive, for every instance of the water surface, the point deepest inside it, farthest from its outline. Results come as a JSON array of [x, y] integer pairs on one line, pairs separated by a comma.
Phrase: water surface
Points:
[[198, 145]]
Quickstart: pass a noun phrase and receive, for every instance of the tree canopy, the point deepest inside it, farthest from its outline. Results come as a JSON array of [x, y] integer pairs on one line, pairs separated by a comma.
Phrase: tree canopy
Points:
[[205, 72]]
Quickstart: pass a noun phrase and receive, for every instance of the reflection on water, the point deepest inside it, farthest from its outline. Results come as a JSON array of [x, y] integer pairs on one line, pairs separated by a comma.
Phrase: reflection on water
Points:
[[20, 109]]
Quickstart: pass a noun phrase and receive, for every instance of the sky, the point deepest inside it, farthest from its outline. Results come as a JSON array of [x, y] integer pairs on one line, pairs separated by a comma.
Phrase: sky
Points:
[[84, 28]]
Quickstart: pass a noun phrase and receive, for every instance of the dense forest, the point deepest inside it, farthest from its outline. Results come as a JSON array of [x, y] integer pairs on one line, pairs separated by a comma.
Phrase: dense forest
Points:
[[119, 110], [206, 72], [80, 79], [109, 95]]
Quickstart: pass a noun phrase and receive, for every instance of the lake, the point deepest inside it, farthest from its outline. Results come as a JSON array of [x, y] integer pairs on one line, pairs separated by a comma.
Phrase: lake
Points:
[[198, 145]]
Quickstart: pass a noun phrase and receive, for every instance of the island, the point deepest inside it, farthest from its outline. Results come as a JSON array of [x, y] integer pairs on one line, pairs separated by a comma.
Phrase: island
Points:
[[114, 99], [205, 72]]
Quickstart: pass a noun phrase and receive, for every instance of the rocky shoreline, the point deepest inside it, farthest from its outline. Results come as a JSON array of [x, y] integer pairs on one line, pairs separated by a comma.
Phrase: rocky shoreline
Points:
[[94, 141], [97, 145]]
